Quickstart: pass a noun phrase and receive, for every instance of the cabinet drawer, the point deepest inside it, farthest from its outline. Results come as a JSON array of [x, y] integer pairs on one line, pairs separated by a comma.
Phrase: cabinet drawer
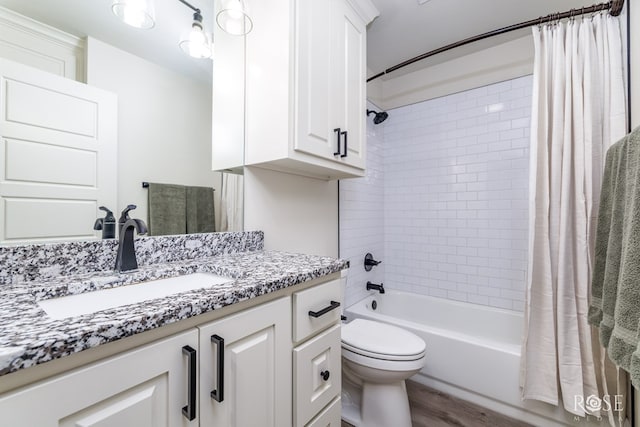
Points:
[[317, 375], [329, 417], [316, 299]]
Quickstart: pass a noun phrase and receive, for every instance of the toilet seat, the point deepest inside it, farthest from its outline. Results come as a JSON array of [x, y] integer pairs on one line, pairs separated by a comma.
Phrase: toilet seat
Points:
[[381, 341]]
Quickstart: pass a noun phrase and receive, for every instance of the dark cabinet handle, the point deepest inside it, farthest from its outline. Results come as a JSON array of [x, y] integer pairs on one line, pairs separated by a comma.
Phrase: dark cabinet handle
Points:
[[189, 411], [345, 144], [218, 393], [334, 305], [325, 375], [337, 131]]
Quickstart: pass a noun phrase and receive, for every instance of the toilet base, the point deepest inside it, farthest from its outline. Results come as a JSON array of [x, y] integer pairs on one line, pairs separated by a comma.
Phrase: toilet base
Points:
[[375, 405], [350, 400], [385, 405]]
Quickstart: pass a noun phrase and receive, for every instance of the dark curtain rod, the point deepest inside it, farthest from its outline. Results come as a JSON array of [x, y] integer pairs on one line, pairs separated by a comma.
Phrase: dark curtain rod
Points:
[[614, 6]]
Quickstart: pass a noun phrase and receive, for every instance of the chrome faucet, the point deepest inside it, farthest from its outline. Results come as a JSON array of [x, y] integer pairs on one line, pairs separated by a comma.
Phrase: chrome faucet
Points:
[[375, 287], [126, 257]]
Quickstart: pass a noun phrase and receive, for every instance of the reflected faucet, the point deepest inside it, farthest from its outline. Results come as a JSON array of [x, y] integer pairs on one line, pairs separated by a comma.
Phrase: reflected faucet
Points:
[[126, 257]]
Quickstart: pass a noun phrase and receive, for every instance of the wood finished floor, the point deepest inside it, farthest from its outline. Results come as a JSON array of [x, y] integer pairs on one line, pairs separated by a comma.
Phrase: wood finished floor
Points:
[[431, 408]]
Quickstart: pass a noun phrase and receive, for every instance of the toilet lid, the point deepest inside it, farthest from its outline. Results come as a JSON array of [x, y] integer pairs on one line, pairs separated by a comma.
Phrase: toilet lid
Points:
[[381, 339]]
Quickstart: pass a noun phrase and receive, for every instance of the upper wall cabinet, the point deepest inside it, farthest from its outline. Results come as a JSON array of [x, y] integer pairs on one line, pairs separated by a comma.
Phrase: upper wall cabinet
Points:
[[305, 102]]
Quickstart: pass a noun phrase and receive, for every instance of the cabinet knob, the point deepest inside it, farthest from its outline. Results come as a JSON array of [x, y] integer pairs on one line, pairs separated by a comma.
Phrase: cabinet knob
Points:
[[325, 375]]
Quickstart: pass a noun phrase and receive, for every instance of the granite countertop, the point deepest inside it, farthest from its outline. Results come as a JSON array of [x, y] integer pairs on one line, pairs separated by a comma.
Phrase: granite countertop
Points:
[[29, 337]]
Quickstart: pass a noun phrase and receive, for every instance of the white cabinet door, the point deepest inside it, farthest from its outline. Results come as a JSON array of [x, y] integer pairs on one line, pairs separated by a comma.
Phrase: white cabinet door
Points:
[[245, 366], [329, 417], [348, 86], [317, 374], [147, 387], [313, 71], [330, 106]]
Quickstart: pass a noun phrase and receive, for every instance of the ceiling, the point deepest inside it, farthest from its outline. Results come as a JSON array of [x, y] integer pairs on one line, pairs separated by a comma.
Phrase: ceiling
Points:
[[406, 29], [403, 30]]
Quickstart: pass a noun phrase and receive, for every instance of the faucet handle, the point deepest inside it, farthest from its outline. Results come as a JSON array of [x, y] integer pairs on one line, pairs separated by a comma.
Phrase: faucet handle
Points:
[[124, 216], [369, 262]]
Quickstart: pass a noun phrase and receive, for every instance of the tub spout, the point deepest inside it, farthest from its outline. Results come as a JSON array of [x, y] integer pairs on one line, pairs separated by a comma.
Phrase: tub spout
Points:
[[375, 287]]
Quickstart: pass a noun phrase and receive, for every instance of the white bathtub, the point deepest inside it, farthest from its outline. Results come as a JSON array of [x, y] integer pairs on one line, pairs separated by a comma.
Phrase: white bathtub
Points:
[[473, 351]]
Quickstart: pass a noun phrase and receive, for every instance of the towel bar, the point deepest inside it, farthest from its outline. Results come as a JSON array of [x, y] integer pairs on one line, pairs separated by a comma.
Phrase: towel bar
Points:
[[145, 184]]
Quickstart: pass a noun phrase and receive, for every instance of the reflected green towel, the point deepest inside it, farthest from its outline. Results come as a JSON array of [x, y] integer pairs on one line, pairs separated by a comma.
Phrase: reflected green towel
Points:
[[615, 304], [200, 213], [167, 209]]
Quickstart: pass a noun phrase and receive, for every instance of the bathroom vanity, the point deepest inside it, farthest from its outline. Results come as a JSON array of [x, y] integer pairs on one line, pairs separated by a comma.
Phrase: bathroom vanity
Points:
[[262, 348]]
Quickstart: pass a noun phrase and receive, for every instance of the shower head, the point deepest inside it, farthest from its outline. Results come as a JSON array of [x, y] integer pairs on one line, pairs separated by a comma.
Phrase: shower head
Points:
[[379, 117]]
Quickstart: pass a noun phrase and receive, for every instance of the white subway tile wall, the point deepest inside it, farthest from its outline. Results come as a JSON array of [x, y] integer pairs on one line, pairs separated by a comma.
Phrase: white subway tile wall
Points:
[[456, 195], [445, 200], [362, 218]]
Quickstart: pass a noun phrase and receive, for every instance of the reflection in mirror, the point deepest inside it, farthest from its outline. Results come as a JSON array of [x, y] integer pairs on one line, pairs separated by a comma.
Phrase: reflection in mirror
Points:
[[144, 115]]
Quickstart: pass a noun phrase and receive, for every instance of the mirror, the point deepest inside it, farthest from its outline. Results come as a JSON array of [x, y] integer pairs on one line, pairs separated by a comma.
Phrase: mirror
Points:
[[163, 105]]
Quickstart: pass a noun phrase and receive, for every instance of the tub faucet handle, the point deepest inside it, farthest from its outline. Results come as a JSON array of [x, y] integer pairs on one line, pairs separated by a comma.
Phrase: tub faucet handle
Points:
[[369, 262]]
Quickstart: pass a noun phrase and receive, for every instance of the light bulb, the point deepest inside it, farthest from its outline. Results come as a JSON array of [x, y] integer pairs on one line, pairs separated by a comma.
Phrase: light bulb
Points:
[[137, 13], [198, 44], [233, 18]]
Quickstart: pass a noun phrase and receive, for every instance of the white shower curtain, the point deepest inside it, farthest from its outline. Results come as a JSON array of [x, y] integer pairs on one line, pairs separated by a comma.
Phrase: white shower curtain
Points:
[[232, 202], [579, 110]]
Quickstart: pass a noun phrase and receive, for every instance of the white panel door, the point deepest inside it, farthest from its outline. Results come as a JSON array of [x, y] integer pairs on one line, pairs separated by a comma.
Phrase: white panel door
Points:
[[58, 155], [147, 387], [251, 378]]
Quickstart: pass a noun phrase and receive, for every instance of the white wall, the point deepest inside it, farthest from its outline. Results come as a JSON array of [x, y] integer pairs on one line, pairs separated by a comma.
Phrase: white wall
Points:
[[362, 218], [296, 213], [498, 63], [164, 124]]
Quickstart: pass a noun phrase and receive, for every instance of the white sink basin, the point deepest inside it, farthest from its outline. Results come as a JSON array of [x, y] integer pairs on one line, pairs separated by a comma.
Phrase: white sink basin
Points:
[[90, 302]]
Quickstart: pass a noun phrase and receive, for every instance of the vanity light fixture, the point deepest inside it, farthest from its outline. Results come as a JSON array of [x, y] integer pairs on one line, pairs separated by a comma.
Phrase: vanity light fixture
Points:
[[137, 13], [233, 17], [197, 43]]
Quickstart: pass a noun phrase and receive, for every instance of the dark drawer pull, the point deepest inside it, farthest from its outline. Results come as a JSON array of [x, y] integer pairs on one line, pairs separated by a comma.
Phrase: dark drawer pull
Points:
[[218, 393], [337, 131], [334, 305], [346, 151], [189, 411], [325, 375]]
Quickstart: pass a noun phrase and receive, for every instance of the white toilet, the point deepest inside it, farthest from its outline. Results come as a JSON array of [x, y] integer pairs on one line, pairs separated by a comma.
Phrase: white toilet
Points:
[[376, 359]]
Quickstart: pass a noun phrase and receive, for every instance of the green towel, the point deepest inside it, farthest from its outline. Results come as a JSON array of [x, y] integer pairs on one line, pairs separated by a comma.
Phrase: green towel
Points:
[[200, 214], [167, 209], [615, 287]]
